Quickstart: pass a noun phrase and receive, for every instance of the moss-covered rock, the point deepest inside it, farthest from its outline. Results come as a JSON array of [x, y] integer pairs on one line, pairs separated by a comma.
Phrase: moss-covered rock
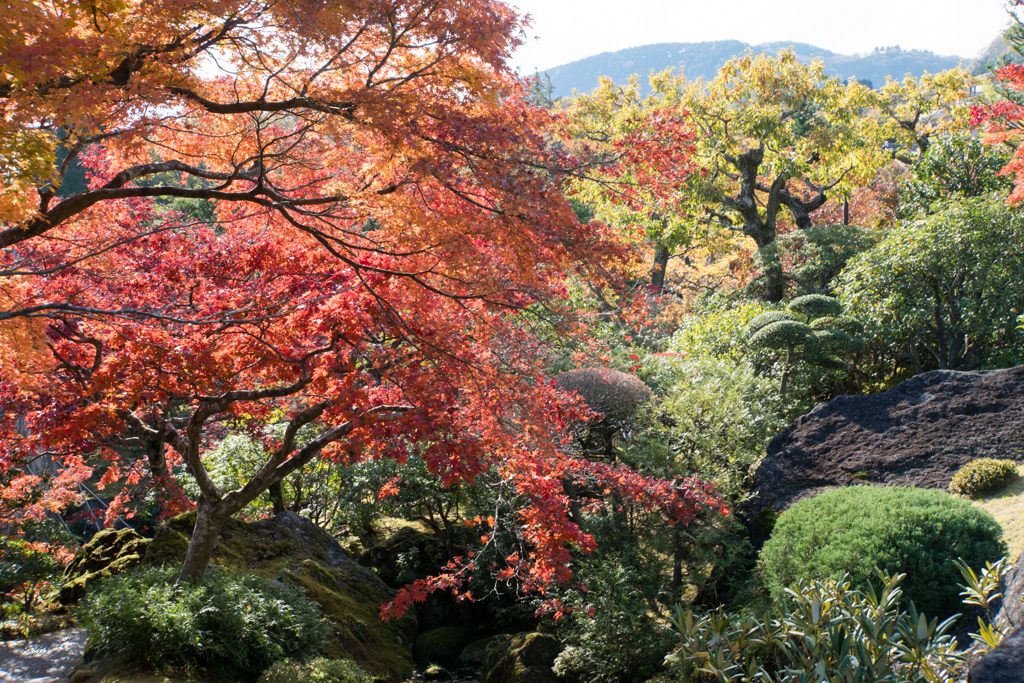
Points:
[[521, 658], [406, 555], [443, 644], [108, 552], [349, 594], [475, 652], [435, 672]]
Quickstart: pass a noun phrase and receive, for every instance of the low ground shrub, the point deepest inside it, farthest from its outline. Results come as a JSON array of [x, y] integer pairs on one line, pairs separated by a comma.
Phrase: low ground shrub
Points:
[[24, 569], [982, 476], [853, 530], [234, 626], [819, 631], [318, 670]]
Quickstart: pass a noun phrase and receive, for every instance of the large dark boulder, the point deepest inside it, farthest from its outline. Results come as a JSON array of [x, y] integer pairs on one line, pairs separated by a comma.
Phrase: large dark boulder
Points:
[[1005, 664], [918, 434], [1011, 609], [521, 658]]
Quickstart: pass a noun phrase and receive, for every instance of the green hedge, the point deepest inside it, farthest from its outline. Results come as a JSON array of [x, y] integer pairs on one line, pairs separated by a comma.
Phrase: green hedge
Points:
[[854, 530]]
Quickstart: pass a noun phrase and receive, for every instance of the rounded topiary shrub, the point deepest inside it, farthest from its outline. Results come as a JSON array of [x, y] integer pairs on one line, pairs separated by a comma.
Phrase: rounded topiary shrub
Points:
[[616, 395], [982, 476], [813, 306], [854, 530], [234, 626], [765, 319]]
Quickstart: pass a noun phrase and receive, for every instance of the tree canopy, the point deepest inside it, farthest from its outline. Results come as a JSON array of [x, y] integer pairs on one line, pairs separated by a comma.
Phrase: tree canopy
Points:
[[387, 226]]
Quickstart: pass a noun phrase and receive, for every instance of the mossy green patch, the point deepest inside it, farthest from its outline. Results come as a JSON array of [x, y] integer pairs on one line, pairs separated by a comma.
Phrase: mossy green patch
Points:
[[443, 644], [380, 648], [521, 658], [109, 552], [475, 652]]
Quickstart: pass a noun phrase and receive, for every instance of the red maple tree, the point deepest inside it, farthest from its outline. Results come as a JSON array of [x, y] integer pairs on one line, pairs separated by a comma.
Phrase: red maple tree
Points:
[[354, 232]]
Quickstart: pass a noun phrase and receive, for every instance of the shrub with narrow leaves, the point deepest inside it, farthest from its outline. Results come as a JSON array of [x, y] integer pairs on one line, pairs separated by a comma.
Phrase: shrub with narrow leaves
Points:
[[318, 670], [818, 631], [981, 476]]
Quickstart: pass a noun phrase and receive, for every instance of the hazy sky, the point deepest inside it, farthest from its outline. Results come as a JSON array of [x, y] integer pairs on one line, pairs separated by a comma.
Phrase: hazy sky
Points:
[[566, 30]]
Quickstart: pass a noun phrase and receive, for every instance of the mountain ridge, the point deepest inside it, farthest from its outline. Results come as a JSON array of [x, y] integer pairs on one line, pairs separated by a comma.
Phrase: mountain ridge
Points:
[[702, 60]]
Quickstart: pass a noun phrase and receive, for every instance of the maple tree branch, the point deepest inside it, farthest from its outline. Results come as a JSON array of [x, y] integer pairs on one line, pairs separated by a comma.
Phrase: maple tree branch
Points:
[[280, 465], [344, 109]]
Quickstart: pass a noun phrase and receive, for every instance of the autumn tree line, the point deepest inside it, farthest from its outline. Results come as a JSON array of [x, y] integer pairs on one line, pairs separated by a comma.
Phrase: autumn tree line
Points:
[[335, 258]]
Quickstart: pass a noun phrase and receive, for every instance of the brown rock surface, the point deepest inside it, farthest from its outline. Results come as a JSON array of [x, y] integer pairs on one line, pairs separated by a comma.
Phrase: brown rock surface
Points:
[[918, 434]]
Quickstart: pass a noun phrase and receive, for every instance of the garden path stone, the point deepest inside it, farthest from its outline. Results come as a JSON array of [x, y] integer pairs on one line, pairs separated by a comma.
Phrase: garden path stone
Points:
[[44, 659]]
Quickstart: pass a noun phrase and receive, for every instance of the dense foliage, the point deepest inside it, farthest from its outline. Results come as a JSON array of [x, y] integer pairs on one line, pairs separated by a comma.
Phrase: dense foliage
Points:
[[363, 272], [317, 670], [943, 290], [236, 626], [854, 530], [819, 630]]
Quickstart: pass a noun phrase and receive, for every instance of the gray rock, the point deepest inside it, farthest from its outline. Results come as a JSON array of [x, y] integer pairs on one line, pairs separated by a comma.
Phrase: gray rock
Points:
[[1012, 604], [918, 434], [1005, 664]]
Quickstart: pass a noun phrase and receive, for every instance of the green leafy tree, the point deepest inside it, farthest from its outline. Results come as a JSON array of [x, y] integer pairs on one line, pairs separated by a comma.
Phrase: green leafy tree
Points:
[[944, 290], [641, 146], [804, 335], [913, 111], [815, 256], [954, 165], [777, 137]]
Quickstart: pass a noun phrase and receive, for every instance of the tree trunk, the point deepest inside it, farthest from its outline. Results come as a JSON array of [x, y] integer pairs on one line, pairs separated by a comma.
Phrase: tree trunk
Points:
[[771, 271], [209, 521], [676, 587], [155, 455], [660, 266], [846, 210], [569, 488], [276, 492]]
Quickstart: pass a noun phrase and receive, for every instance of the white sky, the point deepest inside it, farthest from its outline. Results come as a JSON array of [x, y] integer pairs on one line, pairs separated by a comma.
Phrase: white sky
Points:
[[567, 30]]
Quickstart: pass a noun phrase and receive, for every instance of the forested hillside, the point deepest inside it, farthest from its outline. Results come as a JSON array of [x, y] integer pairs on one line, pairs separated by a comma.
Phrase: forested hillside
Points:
[[702, 60]]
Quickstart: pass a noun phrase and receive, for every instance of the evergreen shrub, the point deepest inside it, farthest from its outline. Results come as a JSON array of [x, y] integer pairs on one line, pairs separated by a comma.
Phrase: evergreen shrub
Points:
[[982, 476], [813, 306], [233, 626], [854, 530]]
